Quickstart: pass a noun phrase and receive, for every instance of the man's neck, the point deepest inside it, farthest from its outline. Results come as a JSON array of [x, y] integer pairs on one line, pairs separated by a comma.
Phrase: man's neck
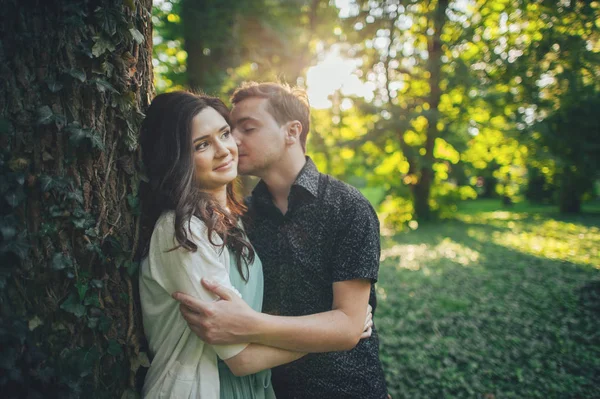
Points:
[[280, 177]]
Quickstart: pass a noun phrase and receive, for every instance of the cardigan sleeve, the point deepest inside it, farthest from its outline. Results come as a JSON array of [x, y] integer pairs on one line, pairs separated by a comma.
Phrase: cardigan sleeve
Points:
[[182, 270]]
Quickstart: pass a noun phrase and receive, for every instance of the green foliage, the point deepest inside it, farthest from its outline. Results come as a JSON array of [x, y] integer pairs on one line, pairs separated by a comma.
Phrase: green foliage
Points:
[[492, 304]]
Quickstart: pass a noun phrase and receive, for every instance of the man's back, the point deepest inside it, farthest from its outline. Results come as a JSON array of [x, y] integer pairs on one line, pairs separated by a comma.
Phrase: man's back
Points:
[[329, 234]]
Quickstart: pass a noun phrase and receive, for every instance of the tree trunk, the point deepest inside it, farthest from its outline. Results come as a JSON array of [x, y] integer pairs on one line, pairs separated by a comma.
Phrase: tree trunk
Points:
[[572, 186], [76, 76], [208, 30], [422, 189]]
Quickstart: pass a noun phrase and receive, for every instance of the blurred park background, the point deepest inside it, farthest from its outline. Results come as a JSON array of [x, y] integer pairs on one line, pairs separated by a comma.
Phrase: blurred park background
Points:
[[472, 126]]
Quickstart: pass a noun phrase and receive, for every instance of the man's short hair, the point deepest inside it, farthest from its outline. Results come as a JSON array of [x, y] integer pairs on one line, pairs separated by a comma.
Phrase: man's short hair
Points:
[[285, 103]]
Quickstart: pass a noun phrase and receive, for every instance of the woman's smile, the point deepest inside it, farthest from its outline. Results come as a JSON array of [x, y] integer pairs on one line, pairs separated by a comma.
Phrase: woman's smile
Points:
[[224, 166]]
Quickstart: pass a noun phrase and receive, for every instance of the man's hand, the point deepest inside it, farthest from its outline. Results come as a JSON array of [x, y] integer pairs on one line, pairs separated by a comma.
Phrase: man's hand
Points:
[[225, 321]]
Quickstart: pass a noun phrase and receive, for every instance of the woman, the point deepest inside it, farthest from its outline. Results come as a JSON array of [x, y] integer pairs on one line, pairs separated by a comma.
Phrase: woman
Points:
[[190, 230]]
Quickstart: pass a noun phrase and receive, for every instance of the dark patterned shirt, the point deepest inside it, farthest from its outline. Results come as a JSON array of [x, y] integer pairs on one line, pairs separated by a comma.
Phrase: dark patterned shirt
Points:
[[330, 233]]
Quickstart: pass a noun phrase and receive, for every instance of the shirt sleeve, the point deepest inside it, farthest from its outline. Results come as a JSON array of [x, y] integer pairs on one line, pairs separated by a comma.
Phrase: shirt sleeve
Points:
[[183, 269], [357, 246]]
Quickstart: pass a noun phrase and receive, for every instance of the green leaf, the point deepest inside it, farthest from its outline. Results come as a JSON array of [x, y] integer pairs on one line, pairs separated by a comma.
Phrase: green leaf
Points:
[[92, 300], [47, 183], [102, 45], [107, 20], [114, 348], [93, 322], [73, 306], [76, 135], [95, 283], [141, 360], [136, 35], [131, 267], [61, 261], [75, 195], [5, 126], [96, 141], [78, 74], [82, 288], [7, 228], [133, 201], [18, 246], [104, 324], [44, 115], [102, 86], [54, 86], [15, 197], [16, 164], [79, 223]]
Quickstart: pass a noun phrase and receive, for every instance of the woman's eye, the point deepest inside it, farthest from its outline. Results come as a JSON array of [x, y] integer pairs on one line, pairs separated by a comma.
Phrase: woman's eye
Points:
[[226, 134], [201, 146], [248, 129]]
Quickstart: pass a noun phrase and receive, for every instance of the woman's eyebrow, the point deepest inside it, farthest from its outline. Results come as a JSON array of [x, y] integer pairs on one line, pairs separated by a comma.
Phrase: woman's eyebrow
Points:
[[206, 135]]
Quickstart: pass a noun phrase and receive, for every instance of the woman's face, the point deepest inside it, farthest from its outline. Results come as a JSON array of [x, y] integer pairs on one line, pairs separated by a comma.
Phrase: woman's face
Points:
[[214, 150]]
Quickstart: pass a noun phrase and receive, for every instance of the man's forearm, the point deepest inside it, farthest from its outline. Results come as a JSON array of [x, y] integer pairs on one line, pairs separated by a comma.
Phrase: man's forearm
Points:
[[322, 332]]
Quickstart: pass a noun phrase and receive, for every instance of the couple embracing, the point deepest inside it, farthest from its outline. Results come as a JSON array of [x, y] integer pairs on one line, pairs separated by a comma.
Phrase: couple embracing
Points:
[[268, 298]]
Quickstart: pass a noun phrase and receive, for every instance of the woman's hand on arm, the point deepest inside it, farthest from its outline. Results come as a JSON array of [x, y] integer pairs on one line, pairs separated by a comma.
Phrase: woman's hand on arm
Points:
[[258, 357]]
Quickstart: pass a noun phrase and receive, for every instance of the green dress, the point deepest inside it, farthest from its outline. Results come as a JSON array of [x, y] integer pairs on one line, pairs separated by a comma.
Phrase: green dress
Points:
[[254, 386]]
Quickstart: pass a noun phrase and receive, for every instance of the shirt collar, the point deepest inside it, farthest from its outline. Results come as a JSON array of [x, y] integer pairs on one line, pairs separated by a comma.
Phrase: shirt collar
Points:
[[308, 179]]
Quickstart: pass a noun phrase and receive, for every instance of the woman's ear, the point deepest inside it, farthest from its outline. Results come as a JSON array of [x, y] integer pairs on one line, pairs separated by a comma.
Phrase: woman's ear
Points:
[[292, 132]]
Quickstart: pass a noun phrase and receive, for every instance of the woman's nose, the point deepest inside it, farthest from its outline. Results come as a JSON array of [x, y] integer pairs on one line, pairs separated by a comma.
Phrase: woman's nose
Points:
[[222, 149], [237, 137]]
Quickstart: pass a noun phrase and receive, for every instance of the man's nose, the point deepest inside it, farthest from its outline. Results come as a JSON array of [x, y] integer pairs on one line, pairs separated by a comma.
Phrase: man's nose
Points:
[[237, 137]]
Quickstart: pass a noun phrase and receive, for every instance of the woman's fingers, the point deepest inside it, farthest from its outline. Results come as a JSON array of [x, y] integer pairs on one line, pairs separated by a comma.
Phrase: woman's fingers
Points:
[[366, 333]]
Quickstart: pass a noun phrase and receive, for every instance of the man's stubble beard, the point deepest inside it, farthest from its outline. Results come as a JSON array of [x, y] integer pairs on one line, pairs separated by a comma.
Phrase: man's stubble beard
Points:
[[261, 169]]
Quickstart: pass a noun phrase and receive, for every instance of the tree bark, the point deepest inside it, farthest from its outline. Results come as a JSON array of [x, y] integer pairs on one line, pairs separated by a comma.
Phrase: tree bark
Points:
[[76, 77]]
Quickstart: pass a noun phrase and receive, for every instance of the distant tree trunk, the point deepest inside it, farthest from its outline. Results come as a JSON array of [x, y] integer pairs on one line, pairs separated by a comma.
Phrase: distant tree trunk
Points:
[[76, 77], [572, 186], [422, 189], [208, 30]]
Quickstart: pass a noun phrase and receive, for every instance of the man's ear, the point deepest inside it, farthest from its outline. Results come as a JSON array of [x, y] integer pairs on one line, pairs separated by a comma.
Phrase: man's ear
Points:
[[292, 132]]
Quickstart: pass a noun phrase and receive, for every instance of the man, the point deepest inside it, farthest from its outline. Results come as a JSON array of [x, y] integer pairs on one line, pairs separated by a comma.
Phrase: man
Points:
[[318, 239]]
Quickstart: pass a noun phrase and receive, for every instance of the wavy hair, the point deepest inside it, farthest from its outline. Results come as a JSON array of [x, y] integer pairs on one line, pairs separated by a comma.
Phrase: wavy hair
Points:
[[167, 154]]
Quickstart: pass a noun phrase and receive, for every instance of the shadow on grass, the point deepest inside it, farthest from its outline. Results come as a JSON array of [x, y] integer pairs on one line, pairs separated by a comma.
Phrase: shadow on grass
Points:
[[462, 316]]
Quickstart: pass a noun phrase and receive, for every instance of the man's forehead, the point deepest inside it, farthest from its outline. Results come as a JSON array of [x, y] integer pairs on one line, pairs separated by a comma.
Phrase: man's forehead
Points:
[[251, 108]]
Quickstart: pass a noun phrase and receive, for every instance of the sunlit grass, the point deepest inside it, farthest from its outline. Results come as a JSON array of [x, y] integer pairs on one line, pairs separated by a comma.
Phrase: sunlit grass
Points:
[[493, 303], [415, 256], [541, 234]]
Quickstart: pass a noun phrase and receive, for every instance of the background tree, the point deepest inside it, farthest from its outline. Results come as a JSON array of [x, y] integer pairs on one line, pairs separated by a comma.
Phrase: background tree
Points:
[[545, 62], [222, 43], [76, 76], [408, 53]]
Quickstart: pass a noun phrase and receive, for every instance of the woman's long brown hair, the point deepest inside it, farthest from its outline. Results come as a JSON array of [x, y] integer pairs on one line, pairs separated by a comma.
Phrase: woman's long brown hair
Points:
[[167, 154]]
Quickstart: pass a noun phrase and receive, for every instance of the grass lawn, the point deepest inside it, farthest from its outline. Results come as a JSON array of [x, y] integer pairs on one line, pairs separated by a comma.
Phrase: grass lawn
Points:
[[493, 303]]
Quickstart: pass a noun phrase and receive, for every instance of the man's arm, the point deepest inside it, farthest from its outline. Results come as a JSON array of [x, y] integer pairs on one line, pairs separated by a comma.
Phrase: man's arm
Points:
[[231, 321]]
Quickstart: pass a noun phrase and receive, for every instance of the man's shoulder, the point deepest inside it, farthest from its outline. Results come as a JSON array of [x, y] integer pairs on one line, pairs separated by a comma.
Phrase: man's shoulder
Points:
[[345, 195]]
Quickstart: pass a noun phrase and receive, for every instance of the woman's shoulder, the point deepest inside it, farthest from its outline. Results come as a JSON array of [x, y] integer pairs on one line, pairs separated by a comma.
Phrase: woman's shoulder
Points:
[[195, 227]]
